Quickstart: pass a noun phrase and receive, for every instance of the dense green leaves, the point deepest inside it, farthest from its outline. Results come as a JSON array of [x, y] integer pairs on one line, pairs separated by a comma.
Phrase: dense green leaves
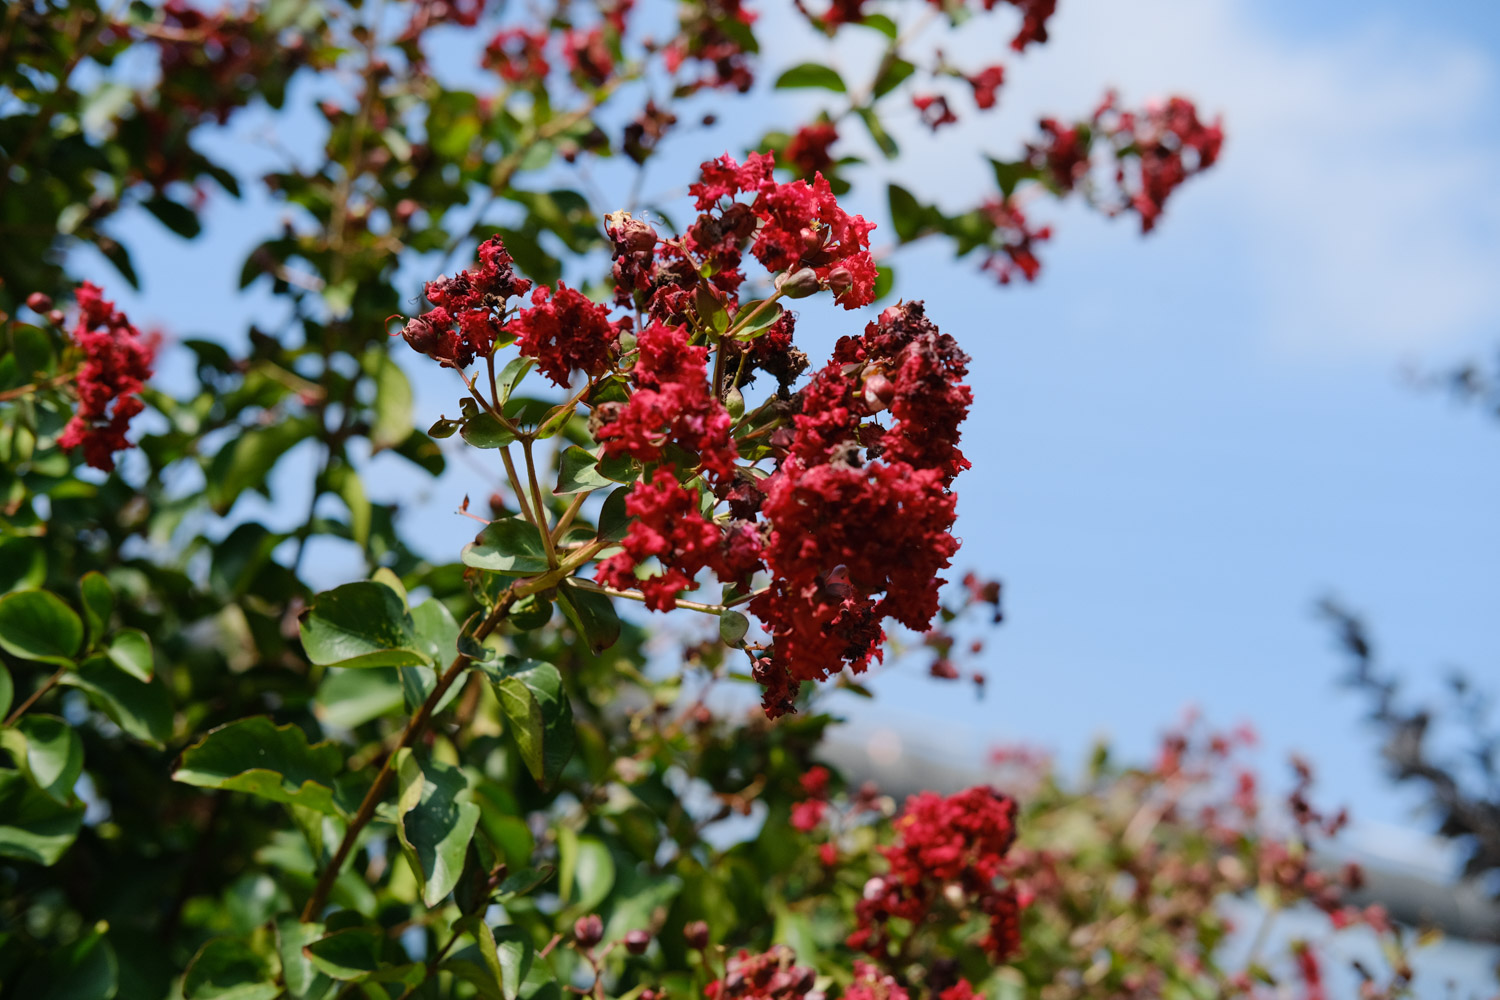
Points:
[[362, 624], [48, 750], [37, 625], [540, 715], [142, 710], [352, 953], [34, 826], [87, 969], [228, 969], [438, 818], [246, 462], [261, 758]]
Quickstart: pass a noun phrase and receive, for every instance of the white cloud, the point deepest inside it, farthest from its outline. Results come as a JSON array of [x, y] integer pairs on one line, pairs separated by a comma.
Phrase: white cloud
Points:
[[1358, 174]]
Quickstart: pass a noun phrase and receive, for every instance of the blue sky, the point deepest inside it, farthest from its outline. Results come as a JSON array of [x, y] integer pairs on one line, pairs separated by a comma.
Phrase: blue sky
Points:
[[1179, 442]]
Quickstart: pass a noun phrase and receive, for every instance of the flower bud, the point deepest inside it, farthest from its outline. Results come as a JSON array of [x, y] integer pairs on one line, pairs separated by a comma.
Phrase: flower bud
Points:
[[636, 942], [879, 392], [38, 302], [799, 284], [55, 317], [630, 235], [696, 935], [840, 280], [588, 931]]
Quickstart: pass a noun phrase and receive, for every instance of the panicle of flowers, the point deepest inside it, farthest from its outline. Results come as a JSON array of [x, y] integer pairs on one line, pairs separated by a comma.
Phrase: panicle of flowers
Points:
[[519, 55], [807, 152], [710, 35], [771, 975], [949, 854], [1014, 245], [468, 309], [1169, 144], [117, 361], [565, 331]]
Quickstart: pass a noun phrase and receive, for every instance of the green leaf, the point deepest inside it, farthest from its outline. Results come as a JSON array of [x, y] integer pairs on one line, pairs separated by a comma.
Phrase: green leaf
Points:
[[509, 545], [482, 430], [510, 376], [637, 902], [142, 710], [350, 698], [885, 281], [1008, 175], [246, 462], [438, 817], [177, 217], [7, 691], [347, 954], [732, 627], [437, 632], [228, 969], [555, 420], [302, 979], [98, 603], [350, 489], [907, 214], [878, 133], [594, 873], [261, 758], [578, 472], [23, 564], [49, 750], [84, 970], [38, 625], [361, 624], [762, 321], [592, 614], [811, 75], [541, 717], [393, 403], [880, 23], [514, 950], [130, 650], [33, 825], [892, 75], [613, 521]]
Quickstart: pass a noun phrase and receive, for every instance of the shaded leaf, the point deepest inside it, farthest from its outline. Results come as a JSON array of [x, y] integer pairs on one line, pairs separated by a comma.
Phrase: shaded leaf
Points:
[[33, 825], [541, 717], [228, 969], [98, 603], [130, 650], [49, 750], [592, 614], [578, 472], [142, 710], [260, 758], [438, 818], [811, 75], [509, 545], [347, 954], [37, 625]]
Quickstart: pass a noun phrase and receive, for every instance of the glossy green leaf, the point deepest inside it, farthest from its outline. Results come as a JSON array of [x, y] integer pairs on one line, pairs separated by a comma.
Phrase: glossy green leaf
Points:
[[352, 953], [23, 563], [509, 545], [811, 75], [541, 717], [594, 873], [361, 624], [229, 969], [578, 472], [760, 319], [260, 758], [880, 23], [878, 133], [893, 73], [7, 691], [438, 817], [510, 376], [142, 710], [130, 650], [37, 625], [98, 603], [592, 614], [351, 489], [350, 698], [49, 750], [613, 521], [33, 825], [88, 969], [484, 431], [514, 951], [437, 632], [303, 980]]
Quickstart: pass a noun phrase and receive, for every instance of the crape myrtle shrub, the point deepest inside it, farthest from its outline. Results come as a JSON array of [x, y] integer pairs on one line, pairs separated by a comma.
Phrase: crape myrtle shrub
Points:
[[469, 778]]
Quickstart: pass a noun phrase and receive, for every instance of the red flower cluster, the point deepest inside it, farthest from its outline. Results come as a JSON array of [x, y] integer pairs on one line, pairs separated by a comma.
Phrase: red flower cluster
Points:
[[945, 844], [667, 524], [810, 812], [117, 362], [672, 405], [710, 34], [808, 149], [800, 225], [209, 61], [772, 975], [1169, 143], [872, 984], [518, 55], [1062, 157], [588, 56], [845, 529], [1015, 253], [565, 331], [468, 308], [934, 110], [986, 84]]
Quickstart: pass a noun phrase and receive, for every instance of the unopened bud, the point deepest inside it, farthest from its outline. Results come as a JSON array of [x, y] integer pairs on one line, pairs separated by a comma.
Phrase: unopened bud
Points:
[[696, 935], [800, 284], [588, 931], [840, 280], [55, 317], [636, 942], [38, 302], [630, 235]]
